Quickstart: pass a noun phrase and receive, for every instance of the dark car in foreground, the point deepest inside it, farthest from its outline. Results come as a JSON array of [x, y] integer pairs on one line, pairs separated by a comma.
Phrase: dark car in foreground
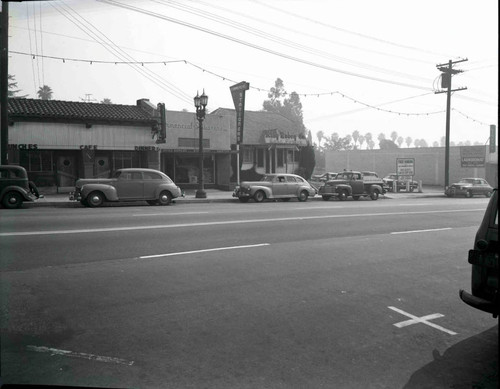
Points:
[[149, 185], [469, 187], [484, 260], [14, 186], [275, 186]]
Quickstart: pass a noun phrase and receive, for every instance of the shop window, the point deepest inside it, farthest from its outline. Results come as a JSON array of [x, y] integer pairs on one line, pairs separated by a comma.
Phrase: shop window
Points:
[[280, 157], [247, 155], [125, 159], [289, 156], [36, 160], [260, 158]]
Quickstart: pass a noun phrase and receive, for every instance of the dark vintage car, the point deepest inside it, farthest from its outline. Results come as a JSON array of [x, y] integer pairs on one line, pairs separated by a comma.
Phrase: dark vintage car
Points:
[[150, 185], [14, 186], [483, 257], [390, 179], [275, 186], [469, 187]]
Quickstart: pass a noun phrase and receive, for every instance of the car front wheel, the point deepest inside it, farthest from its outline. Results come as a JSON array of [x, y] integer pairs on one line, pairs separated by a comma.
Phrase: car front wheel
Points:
[[95, 199], [303, 196], [468, 194], [343, 195], [374, 195], [165, 198], [259, 196], [12, 200]]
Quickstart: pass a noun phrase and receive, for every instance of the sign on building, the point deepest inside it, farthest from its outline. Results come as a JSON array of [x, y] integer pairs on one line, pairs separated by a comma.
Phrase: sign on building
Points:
[[472, 156], [238, 93], [405, 168]]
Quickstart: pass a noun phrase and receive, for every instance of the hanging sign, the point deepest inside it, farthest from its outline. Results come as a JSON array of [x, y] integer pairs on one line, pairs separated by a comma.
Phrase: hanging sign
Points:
[[238, 93]]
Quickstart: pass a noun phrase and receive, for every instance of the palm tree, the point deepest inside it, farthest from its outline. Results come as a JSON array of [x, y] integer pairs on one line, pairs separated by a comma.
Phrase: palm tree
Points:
[[394, 136], [355, 137], [371, 144], [45, 92], [400, 140], [408, 141], [361, 140], [106, 100]]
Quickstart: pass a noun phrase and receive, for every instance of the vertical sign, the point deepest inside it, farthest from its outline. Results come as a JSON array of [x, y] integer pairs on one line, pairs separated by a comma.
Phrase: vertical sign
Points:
[[238, 93], [493, 136]]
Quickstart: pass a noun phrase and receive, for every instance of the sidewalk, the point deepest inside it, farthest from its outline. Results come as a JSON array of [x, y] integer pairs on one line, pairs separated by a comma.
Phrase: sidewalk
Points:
[[214, 195]]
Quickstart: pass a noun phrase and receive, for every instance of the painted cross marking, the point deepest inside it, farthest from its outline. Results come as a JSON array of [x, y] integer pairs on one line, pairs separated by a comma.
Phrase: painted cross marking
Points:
[[423, 320]]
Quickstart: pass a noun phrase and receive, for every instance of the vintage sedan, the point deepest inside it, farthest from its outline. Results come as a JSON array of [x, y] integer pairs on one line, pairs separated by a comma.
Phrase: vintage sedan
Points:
[[14, 186], [149, 185], [469, 187], [275, 186]]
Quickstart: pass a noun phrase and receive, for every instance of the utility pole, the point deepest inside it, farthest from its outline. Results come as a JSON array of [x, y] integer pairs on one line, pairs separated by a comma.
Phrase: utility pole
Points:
[[446, 73], [4, 83]]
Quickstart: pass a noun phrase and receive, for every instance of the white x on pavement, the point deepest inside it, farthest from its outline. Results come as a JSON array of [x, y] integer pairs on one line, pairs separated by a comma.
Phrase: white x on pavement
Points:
[[423, 320]]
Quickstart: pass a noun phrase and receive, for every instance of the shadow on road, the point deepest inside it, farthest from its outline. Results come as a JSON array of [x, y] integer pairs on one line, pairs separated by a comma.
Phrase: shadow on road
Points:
[[472, 363]]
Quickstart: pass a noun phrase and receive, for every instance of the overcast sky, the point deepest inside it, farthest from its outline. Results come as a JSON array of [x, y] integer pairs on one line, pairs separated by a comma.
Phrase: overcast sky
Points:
[[357, 65]]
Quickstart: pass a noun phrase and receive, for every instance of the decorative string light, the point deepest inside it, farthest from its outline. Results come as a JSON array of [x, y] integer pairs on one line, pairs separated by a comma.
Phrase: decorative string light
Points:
[[223, 78]]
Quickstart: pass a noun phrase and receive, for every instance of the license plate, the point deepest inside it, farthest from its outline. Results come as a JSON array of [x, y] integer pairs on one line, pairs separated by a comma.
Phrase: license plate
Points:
[[484, 259]]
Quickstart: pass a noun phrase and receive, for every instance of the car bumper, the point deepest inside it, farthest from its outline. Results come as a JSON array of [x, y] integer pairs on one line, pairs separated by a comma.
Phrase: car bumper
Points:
[[479, 303], [73, 196]]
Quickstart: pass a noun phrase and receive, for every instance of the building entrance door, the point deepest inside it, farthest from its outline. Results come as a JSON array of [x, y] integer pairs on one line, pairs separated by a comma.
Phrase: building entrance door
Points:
[[66, 170]]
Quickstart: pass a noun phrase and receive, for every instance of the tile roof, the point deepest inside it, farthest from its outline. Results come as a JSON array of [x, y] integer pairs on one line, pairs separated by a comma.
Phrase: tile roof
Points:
[[256, 122], [76, 111]]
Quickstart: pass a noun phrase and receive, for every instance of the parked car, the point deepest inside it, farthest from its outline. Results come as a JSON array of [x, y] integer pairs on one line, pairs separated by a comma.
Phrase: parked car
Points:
[[324, 177], [275, 186], [391, 178], [469, 187], [150, 185], [485, 294], [14, 186]]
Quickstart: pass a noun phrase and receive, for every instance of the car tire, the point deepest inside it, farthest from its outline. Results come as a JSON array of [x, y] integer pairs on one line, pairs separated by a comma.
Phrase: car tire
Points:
[[259, 196], [95, 199], [303, 196], [343, 194], [326, 198], [244, 199], [356, 197], [468, 194], [374, 194], [165, 198], [12, 200]]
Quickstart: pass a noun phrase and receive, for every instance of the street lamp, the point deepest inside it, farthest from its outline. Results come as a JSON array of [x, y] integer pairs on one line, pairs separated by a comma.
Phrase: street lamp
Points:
[[200, 102]]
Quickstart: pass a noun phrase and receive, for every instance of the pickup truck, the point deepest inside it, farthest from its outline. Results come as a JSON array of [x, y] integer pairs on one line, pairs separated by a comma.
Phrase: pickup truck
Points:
[[352, 183]]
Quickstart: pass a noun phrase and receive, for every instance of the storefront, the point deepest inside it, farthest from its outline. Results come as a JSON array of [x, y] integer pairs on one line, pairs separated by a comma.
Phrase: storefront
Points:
[[180, 153]]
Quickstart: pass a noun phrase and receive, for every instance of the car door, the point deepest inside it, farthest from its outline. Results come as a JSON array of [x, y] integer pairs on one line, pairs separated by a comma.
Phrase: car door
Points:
[[151, 182], [279, 186], [130, 186], [292, 186], [357, 183]]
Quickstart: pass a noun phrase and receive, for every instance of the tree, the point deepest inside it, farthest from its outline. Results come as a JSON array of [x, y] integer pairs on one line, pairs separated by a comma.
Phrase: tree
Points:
[[394, 136], [361, 140], [400, 140], [381, 136], [371, 144], [442, 141], [45, 92], [307, 162], [290, 107], [106, 101], [12, 87], [408, 141], [335, 143], [320, 135], [355, 137], [387, 144], [435, 144]]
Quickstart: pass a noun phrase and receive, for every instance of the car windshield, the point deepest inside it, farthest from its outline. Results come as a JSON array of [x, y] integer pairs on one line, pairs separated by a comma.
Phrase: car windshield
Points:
[[466, 181]]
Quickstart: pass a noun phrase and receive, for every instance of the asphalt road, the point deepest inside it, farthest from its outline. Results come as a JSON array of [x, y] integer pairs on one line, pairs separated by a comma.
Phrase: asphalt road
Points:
[[274, 295]]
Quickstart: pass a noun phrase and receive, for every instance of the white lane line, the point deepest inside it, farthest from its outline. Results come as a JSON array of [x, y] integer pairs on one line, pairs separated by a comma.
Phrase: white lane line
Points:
[[203, 251], [92, 357], [414, 231], [168, 214], [423, 320], [228, 222]]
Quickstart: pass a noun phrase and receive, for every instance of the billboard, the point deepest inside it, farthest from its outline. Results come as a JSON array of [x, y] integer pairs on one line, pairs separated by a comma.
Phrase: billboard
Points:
[[472, 156]]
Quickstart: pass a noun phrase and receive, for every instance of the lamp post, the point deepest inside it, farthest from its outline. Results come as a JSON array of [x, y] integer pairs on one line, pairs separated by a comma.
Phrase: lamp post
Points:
[[200, 102]]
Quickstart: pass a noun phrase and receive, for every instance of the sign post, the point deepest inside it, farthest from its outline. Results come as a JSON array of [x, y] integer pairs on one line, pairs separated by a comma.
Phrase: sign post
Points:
[[238, 93], [405, 169]]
